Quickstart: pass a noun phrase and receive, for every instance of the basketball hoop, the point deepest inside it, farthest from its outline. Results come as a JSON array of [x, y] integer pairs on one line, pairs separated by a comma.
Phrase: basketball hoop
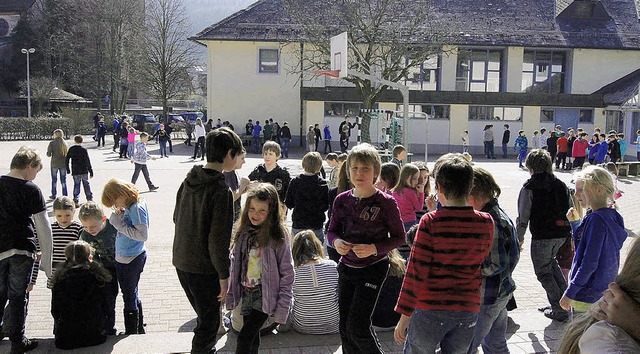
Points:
[[330, 73]]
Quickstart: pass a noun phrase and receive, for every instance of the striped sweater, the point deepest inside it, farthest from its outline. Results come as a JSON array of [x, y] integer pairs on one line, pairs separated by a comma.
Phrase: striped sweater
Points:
[[444, 267]]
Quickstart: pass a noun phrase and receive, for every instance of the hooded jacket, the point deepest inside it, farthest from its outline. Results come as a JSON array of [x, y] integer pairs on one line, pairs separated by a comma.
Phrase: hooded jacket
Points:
[[203, 219]]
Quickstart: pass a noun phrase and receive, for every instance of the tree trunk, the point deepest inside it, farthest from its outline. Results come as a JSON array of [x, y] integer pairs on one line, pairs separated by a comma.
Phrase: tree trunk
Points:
[[365, 134]]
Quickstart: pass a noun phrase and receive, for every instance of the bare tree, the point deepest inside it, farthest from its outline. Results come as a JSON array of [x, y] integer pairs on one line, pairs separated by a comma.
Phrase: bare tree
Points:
[[169, 53], [388, 38], [41, 89]]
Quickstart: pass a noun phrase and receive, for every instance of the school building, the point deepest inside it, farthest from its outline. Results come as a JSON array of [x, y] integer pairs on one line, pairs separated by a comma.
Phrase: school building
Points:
[[526, 63]]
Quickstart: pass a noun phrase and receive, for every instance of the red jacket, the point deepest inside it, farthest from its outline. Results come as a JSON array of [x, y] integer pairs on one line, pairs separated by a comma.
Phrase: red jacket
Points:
[[562, 144]]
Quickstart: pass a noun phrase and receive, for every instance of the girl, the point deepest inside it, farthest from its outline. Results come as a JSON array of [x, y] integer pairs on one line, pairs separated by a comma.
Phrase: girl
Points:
[[200, 133], [310, 138], [409, 194], [593, 148], [426, 179], [78, 303], [597, 240], [123, 134], [521, 146], [57, 150], [131, 141], [131, 218], [315, 288], [261, 272], [587, 335], [389, 175]]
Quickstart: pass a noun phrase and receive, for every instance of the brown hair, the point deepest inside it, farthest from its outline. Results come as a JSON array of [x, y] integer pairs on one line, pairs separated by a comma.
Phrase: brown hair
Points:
[[312, 162], [25, 157], [63, 203], [454, 175], [116, 188], [272, 231], [365, 154], [484, 185], [407, 171], [90, 209], [305, 248]]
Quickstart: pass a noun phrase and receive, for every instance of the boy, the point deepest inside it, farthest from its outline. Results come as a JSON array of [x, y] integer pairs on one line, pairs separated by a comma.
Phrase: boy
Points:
[[237, 186], [270, 171], [543, 202], [256, 137], [506, 136], [365, 226], [623, 146], [308, 196], [23, 212], [81, 168], [399, 154], [562, 147], [203, 217], [603, 149], [64, 231], [332, 161], [101, 235], [440, 297], [614, 148], [521, 146], [139, 159]]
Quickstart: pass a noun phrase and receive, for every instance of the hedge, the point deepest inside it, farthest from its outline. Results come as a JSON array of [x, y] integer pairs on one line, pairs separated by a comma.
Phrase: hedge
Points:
[[40, 128]]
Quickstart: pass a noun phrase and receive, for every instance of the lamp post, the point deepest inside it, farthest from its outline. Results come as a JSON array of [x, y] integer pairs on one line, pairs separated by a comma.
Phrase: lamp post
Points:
[[27, 52]]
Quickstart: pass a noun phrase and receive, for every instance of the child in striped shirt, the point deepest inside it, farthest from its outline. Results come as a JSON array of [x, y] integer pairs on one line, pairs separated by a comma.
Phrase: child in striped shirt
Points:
[[64, 230]]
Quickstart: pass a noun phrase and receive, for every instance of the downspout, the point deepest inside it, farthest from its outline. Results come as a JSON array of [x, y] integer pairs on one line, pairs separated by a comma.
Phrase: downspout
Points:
[[300, 132]]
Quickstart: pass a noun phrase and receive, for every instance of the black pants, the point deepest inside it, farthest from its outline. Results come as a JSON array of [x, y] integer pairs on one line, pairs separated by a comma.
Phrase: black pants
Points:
[[249, 336], [145, 172], [358, 290], [99, 138], [116, 141], [344, 144], [553, 155], [578, 162], [327, 143], [202, 291], [561, 160], [110, 291], [123, 151], [199, 143]]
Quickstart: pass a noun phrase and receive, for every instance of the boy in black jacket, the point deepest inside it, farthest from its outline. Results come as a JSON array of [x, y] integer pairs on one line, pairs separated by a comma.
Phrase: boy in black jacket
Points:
[[204, 217], [270, 172], [80, 169], [308, 196]]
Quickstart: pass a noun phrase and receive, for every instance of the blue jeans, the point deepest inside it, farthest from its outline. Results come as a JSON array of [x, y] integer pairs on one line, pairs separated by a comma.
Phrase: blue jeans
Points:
[[285, 146], [163, 148], [547, 269], [145, 172], [128, 278], [257, 144], [54, 180], [491, 329], [85, 185], [504, 150], [15, 274], [453, 330]]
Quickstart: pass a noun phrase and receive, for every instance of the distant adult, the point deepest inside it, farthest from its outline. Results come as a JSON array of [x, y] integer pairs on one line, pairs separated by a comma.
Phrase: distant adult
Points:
[[344, 145], [200, 133], [276, 132], [506, 136], [169, 129], [285, 138], [487, 139], [116, 130], [327, 139], [317, 135], [188, 129]]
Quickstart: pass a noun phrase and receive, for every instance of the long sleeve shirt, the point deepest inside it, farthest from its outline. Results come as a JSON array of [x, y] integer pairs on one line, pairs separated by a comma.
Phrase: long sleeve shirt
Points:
[[373, 220], [409, 202], [140, 155], [80, 163], [444, 266]]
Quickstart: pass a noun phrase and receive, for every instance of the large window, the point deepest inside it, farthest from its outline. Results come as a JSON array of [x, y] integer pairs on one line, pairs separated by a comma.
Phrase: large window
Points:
[[614, 121], [586, 116], [268, 61], [344, 108], [432, 111], [495, 113], [425, 76], [479, 70], [546, 115], [543, 71]]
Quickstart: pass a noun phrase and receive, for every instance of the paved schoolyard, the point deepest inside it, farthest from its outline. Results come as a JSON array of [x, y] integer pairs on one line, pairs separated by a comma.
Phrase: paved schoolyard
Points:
[[168, 314]]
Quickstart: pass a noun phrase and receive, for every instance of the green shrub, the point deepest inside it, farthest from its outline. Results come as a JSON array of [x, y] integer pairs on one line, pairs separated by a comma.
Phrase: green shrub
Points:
[[39, 128]]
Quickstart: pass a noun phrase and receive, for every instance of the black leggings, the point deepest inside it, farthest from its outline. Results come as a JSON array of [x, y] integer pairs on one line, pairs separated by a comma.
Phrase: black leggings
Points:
[[249, 336], [199, 143]]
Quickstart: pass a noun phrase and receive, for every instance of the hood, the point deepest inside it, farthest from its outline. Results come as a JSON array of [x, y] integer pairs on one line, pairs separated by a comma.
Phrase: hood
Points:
[[199, 177], [614, 221]]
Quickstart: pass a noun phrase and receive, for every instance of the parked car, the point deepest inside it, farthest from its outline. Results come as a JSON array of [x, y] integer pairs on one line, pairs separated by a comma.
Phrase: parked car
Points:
[[143, 118], [192, 116], [173, 117]]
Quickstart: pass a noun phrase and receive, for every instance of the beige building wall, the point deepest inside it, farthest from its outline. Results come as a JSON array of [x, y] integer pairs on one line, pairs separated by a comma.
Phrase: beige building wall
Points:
[[530, 121], [237, 91], [449, 64], [592, 69], [314, 114], [515, 58], [459, 122]]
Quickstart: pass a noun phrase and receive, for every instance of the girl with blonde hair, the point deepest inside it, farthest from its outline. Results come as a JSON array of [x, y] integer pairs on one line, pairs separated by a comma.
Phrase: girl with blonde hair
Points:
[[57, 150]]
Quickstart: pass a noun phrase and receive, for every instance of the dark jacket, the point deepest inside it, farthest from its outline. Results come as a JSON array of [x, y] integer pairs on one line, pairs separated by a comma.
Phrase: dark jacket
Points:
[[279, 177], [80, 163], [203, 217], [552, 143], [162, 135], [543, 202], [79, 306], [308, 196], [285, 132], [506, 136]]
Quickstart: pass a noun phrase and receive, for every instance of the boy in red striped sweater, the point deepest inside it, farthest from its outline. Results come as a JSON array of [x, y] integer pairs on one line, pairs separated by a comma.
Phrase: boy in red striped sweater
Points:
[[440, 297]]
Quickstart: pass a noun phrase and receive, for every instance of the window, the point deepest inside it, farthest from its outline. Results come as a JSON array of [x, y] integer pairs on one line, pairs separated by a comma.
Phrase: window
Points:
[[479, 71], [495, 113], [543, 71], [586, 116], [432, 111], [268, 61], [614, 121], [344, 108], [425, 76], [546, 115]]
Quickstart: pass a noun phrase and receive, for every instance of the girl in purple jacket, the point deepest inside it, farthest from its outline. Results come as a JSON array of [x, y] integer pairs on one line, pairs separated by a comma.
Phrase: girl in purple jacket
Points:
[[261, 272]]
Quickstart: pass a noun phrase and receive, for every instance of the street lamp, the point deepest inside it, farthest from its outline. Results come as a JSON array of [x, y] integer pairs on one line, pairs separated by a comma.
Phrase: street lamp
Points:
[[27, 52]]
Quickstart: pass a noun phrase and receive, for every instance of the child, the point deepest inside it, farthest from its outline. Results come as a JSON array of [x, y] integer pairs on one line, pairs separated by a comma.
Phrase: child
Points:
[[261, 272], [344, 137], [506, 135], [342, 186], [399, 154], [389, 176], [383, 139], [131, 218], [597, 240], [535, 141], [57, 150], [257, 142], [315, 287], [365, 226], [521, 147], [614, 148], [425, 179], [409, 194], [623, 146], [203, 216], [200, 134], [317, 136], [327, 139], [101, 236], [308, 196], [131, 142], [593, 148], [23, 212], [139, 159], [64, 231], [81, 169], [270, 171], [310, 138], [465, 141], [637, 142], [102, 131], [238, 186], [78, 284], [603, 149], [163, 138], [332, 161], [579, 150], [562, 146], [123, 134], [498, 285], [585, 334], [440, 296], [570, 140]]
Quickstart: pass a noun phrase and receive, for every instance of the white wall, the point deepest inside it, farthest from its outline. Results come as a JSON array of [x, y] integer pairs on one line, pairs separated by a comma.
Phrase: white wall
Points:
[[592, 69]]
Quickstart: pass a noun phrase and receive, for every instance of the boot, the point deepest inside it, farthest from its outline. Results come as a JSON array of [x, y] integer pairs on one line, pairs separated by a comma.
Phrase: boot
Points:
[[569, 166], [131, 322], [141, 323]]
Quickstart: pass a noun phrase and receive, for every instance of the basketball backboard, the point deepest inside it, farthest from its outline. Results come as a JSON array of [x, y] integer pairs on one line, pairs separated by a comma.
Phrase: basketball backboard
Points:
[[339, 54]]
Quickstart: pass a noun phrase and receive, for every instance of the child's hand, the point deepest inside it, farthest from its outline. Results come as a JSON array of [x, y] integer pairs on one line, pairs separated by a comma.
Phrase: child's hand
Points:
[[223, 290], [432, 202], [400, 333], [153, 158], [565, 302], [572, 215], [29, 288], [364, 250], [118, 211], [343, 247]]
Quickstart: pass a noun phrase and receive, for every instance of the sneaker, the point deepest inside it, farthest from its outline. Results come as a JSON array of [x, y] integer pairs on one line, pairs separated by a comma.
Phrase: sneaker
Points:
[[543, 309], [24, 346], [557, 315], [52, 197], [153, 188]]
